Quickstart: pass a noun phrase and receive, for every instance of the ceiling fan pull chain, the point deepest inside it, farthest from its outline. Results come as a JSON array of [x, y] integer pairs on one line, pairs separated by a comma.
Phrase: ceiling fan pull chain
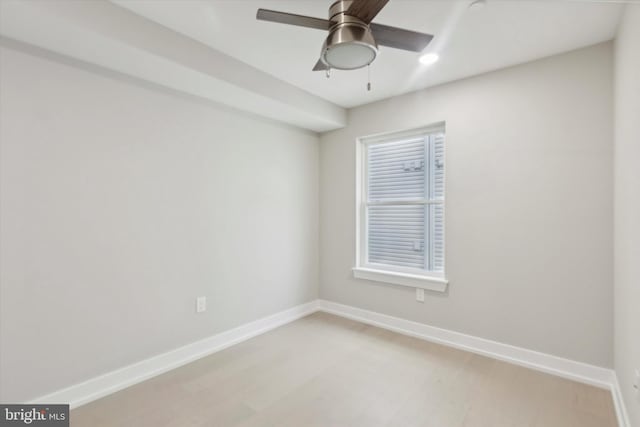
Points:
[[369, 77]]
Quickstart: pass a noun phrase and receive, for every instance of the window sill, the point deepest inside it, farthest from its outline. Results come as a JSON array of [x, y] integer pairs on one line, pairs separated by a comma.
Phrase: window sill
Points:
[[437, 284]]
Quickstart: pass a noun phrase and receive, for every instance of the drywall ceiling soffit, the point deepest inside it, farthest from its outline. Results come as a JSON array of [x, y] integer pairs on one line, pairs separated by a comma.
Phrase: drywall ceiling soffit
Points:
[[104, 34]]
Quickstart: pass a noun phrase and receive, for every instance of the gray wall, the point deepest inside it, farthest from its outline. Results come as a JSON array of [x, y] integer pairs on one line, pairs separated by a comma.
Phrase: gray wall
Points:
[[120, 204], [627, 207], [529, 206]]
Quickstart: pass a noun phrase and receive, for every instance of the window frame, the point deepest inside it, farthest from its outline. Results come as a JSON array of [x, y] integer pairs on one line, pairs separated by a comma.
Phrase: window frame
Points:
[[404, 276]]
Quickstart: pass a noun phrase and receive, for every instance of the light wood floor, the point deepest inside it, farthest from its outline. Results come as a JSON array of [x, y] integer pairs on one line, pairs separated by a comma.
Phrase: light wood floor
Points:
[[327, 371]]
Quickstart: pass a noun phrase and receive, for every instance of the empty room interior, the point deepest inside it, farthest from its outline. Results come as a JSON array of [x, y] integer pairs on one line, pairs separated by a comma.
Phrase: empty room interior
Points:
[[277, 213]]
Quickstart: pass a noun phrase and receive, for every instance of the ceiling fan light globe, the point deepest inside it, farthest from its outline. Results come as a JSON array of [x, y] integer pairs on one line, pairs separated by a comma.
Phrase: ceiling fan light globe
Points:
[[349, 56], [349, 46]]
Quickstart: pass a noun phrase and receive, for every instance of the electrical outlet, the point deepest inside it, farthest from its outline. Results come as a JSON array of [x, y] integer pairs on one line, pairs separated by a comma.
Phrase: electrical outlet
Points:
[[419, 294], [201, 304]]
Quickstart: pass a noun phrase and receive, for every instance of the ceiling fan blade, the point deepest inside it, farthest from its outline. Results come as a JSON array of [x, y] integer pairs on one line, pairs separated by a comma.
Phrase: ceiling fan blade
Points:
[[400, 38], [292, 19], [320, 66], [366, 10]]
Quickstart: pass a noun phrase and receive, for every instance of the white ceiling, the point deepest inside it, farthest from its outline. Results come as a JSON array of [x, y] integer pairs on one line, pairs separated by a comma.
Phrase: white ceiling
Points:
[[217, 51], [470, 42]]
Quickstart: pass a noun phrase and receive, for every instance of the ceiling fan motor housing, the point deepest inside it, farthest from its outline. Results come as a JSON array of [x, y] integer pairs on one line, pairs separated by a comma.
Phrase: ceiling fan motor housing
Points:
[[350, 44]]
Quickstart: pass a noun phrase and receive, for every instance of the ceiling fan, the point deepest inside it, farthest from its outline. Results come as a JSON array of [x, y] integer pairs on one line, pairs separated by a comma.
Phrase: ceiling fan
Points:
[[353, 39]]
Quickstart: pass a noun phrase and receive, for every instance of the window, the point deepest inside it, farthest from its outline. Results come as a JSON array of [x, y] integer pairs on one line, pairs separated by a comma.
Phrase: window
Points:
[[401, 209]]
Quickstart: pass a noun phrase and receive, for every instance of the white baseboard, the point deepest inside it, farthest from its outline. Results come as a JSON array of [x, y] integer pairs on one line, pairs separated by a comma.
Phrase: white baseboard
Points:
[[618, 403], [95, 388], [577, 371]]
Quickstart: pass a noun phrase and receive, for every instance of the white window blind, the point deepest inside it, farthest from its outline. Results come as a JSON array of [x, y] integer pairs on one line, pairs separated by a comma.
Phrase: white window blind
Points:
[[404, 202]]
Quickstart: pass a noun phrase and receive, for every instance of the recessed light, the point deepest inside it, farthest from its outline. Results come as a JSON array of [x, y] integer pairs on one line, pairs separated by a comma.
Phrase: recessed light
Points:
[[429, 58]]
